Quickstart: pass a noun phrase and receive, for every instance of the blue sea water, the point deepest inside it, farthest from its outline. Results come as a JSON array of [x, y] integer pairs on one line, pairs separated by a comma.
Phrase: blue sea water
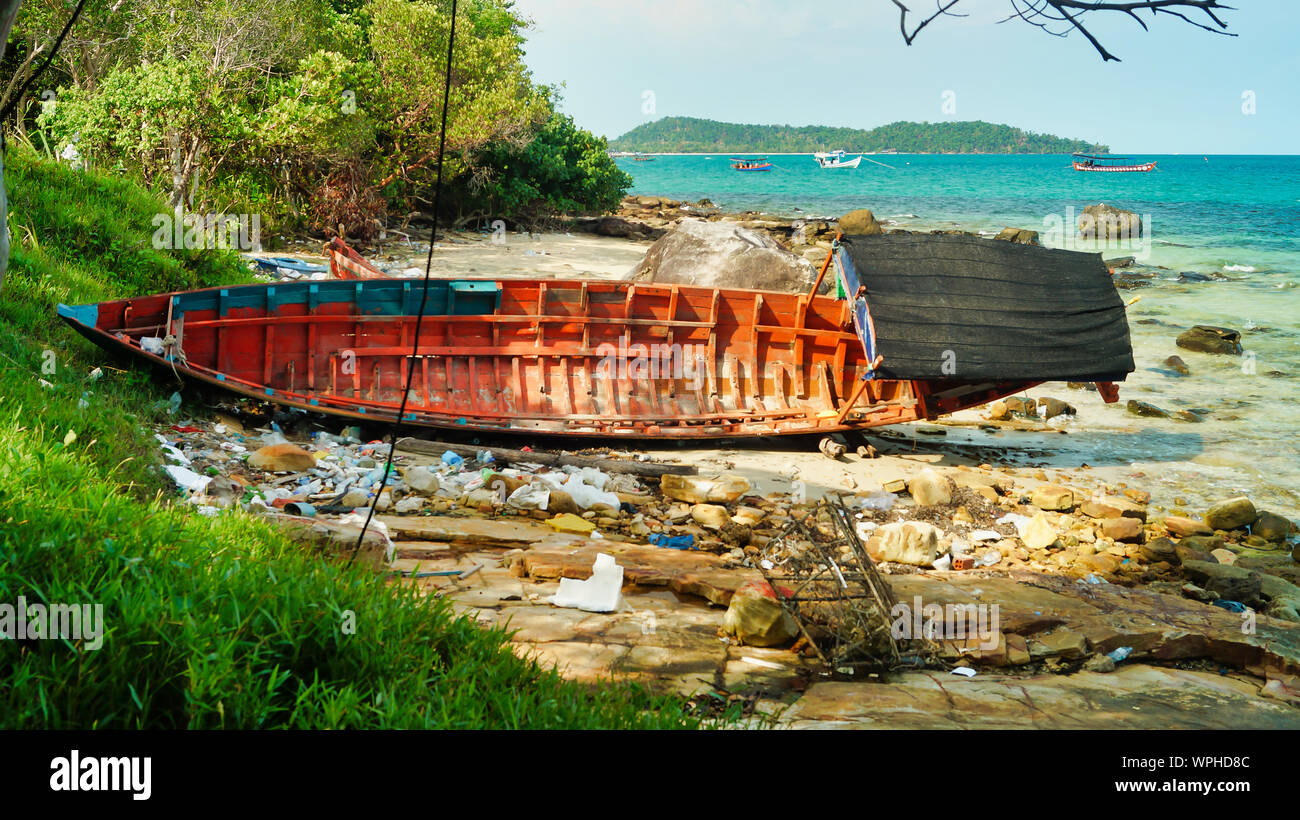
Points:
[[1234, 220]]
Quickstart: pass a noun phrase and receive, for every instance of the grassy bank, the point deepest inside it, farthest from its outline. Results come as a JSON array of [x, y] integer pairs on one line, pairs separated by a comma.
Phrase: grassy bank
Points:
[[210, 622]]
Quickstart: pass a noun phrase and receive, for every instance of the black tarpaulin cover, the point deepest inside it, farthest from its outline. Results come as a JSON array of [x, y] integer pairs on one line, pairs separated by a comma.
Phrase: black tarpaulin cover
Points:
[[964, 308]]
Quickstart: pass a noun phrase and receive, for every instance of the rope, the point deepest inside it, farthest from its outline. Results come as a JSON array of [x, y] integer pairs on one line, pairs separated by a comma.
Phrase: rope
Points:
[[424, 297]]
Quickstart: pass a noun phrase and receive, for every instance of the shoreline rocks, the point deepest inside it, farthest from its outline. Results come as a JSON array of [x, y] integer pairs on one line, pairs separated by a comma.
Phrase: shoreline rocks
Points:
[[1210, 339]]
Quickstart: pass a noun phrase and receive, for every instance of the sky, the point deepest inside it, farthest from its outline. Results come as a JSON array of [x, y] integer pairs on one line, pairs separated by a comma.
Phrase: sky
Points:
[[1177, 89]]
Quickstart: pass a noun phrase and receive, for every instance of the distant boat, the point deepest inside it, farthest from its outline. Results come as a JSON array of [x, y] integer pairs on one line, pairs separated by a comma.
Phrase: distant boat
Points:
[[640, 157], [754, 164], [836, 159], [1090, 162]]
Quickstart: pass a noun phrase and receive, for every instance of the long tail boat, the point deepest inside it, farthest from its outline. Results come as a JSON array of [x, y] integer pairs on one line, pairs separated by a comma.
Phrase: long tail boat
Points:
[[755, 164], [925, 331], [1110, 164]]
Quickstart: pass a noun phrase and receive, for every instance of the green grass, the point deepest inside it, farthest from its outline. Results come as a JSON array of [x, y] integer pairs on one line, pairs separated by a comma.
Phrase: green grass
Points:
[[210, 622]]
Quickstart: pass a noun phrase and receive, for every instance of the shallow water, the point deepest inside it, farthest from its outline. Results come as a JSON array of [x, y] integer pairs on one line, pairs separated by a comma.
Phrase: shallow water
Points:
[[1236, 217]]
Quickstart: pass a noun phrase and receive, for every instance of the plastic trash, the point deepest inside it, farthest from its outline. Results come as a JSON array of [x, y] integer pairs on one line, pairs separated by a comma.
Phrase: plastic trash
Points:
[[1120, 654], [985, 535], [485, 457], [599, 593], [879, 500], [530, 497], [174, 404], [187, 479], [450, 459], [587, 496], [673, 542], [944, 563], [964, 671], [300, 508], [1231, 606], [571, 523], [358, 520], [152, 344]]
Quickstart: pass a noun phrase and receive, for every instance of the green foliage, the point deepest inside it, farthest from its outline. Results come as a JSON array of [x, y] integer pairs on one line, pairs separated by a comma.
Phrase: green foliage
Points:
[[307, 112], [210, 622], [564, 169], [690, 134]]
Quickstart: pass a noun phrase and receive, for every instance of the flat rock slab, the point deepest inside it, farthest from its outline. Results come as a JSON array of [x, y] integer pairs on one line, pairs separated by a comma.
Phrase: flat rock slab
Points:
[[1134, 696], [1157, 626], [684, 571]]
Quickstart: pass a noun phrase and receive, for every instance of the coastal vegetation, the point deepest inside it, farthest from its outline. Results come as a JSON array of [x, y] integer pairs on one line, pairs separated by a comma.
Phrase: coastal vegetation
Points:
[[209, 622], [321, 115], [694, 135]]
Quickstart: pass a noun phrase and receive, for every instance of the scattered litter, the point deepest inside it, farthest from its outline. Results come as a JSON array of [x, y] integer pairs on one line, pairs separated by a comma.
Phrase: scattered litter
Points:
[[187, 479], [152, 344], [964, 671], [985, 535], [1120, 654], [568, 522], [672, 542], [599, 593], [1231, 606]]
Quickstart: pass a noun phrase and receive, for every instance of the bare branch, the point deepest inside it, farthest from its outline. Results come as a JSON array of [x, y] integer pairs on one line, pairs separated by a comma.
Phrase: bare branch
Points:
[[1071, 13]]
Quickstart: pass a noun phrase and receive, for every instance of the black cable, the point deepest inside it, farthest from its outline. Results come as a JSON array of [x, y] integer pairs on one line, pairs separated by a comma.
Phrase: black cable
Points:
[[49, 58], [424, 297]]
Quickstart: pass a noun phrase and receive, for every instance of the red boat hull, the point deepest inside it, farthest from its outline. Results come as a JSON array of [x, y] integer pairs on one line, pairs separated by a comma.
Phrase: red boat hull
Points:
[[582, 358]]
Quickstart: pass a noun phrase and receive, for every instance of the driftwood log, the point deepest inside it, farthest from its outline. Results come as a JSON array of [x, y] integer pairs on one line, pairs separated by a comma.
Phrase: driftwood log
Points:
[[609, 465]]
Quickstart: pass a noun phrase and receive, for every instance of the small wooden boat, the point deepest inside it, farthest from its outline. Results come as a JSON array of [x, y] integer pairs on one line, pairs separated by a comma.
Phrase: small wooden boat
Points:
[[755, 164], [574, 357], [1110, 164]]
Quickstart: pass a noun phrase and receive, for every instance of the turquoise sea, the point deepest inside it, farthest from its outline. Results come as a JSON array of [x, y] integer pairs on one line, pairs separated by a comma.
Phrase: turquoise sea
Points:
[[1222, 247]]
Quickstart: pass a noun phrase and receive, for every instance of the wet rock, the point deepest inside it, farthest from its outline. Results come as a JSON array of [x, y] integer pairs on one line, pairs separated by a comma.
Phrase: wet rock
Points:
[[1104, 221], [701, 490], [1180, 527], [282, 458], [1141, 408], [756, 617], [929, 488], [421, 480], [1231, 583], [1271, 527], [1051, 497], [908, 542], [1020, 236], [1176, 364], [858, 223], [1022, 406], [1231, 514], [1122, 529], [1189, 415], [1137, 496], [1161, 549], [1055, 407], [1211, 339], [724, 255], [998, 411], [711, 515]]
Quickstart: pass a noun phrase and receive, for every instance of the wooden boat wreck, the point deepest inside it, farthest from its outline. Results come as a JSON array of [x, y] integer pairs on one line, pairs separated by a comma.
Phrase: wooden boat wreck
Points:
[[616, 358]]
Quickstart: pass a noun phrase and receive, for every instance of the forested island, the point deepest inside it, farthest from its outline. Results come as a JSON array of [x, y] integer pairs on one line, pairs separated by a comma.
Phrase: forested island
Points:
[[695, 135]]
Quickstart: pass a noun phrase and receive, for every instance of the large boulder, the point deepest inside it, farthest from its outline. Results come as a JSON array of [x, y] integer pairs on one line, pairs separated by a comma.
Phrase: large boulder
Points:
[[907, 542], [1210, 339], [724, 255], [858, 223], [1231, 514], [1104, 221], [1232, 583]]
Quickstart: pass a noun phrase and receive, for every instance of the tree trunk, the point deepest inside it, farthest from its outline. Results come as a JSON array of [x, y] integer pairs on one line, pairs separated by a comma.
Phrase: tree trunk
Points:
[[8, 11]]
